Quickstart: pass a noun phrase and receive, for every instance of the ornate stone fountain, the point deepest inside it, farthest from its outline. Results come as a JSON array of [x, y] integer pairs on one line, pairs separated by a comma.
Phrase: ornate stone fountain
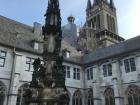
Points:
[[48, 82]]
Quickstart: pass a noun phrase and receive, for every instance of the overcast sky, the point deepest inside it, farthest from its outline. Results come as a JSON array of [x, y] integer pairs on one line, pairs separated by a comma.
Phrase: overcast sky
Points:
[[29, 11]]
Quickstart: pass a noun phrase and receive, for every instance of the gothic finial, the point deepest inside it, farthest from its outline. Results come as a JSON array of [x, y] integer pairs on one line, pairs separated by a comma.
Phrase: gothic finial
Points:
[[88, 5], [53, 19]]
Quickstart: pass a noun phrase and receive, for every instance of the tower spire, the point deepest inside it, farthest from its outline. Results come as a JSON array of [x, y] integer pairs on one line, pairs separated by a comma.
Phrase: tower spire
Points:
[[49, 76], [53, 19], [95, 3], [88, 5], [112, 4]]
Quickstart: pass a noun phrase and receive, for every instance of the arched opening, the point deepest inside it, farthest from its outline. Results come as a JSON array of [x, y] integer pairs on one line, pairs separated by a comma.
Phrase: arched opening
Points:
[[2, 93], [133, 95], [22, 94], [109, 96], [90, 97], [77, 98]]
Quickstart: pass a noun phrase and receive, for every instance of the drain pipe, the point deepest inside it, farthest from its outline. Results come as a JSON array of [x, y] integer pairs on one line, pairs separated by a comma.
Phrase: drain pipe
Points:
[[11, 76]]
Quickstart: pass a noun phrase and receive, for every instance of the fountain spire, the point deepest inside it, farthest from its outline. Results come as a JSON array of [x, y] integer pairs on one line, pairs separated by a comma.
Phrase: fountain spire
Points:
[[48, 80]]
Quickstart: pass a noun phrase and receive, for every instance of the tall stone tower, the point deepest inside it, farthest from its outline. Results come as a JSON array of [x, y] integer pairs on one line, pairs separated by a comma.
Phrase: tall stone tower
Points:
[[101, 27], [102, 15]]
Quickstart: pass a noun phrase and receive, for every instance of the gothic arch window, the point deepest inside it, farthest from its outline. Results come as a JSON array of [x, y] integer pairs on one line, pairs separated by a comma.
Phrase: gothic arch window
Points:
[[21, 97], [2, 93], [133, 95], [109, 96], [90, 97], [77, 98]]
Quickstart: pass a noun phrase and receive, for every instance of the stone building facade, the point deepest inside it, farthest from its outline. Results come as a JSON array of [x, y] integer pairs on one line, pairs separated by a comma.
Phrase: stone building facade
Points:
[[108, 75]]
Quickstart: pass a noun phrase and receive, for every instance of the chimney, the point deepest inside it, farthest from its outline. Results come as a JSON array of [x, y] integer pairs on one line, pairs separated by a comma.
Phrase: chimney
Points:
[[37, 28]]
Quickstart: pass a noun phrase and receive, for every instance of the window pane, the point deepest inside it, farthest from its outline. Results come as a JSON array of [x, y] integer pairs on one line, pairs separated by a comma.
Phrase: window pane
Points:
[[126, 64], [74, 73], [104, 71], [3, 54], [78, 74], [135, 97], [64, 67], [2, 61], [68, 74], [130, 100], [91, 73], [88, 74], [32, 69], [132, 64], [68, 67], [98, 21], [112, 101], [106, 101], [27, 67], [109, 70]]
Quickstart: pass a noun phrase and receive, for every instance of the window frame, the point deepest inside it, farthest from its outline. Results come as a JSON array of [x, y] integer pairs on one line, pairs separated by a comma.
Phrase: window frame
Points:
[[107, 70], [67, 71], [129, 65], [3, 58], [30, 64], [76, 73], [89, 72]]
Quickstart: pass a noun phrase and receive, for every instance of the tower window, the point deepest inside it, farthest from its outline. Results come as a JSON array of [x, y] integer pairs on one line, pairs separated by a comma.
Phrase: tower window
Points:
[[98, 21], [108, 22], [113, 21]]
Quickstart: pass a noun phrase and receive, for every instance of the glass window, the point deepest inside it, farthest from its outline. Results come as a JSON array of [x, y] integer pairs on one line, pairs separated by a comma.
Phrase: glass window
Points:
[[130, 65], [77, 98], [2, 58], [29, 64], [98, 21], [90, 74], [107, 70], [109, 96], [2, 94], [126, 63], [67, 71], [90, 97], [133, 94], [76, 73], [104, 71], [88, 77]]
